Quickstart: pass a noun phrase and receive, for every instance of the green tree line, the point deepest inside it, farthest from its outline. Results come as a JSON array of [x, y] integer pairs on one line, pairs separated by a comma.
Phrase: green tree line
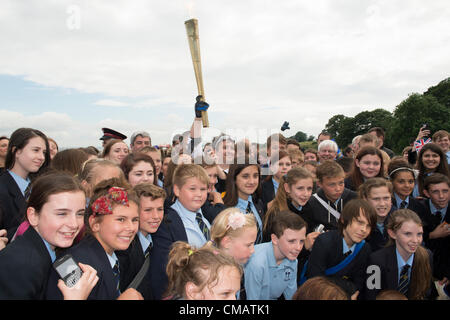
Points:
[[401, 126]]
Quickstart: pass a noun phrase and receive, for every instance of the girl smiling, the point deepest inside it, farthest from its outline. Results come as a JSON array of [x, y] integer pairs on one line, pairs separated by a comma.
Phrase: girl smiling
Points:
[[404, 264], [112, 222], [55, 212]]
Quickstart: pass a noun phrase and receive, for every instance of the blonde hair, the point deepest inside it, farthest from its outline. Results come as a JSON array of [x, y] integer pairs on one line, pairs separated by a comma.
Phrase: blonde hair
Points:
[[293, 154], [88, 167], [221, 225], [199, 266], [185, 171], [421, 268]]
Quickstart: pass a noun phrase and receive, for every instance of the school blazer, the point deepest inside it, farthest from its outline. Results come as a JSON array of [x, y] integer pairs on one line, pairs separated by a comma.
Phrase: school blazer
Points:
[[25, 265], [88, 251], [386, 260], [327, 253], [317, 214], [268, 192], [413, 204], [130, 263], [170, 230], [378, 239], [441, 246], [12, 204], [267, 232]]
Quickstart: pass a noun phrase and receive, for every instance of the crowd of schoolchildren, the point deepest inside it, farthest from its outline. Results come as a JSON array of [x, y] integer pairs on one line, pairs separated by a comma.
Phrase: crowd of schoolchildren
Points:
[[218, 220]]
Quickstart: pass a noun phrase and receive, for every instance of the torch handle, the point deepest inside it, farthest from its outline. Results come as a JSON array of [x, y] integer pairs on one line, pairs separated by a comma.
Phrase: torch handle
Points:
[[194, 46]]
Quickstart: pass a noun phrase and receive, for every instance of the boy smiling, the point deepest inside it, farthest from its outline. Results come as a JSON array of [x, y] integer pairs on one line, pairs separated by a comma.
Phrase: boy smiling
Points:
[[332, 248], [271, 272]]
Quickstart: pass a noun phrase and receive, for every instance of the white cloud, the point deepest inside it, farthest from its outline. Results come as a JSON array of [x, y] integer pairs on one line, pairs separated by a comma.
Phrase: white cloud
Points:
[[111, 103]]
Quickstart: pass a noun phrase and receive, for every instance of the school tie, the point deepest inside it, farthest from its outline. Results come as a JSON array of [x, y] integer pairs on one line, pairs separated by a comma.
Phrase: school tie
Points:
[[259, 233], [403, 283], [147, 251], [202, 225], [403, 204], [116, 273], [438, 216], [349, 252], [27, 192]]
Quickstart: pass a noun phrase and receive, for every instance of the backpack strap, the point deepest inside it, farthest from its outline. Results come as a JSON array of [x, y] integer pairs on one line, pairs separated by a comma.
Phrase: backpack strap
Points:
[[335, 213]]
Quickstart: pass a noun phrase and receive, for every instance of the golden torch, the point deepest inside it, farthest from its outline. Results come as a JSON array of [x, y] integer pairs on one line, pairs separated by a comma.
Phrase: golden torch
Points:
[[194, 45]]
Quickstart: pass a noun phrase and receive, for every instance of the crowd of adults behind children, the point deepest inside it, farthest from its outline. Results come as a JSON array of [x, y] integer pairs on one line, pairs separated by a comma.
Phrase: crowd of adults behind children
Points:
[[225, 219]]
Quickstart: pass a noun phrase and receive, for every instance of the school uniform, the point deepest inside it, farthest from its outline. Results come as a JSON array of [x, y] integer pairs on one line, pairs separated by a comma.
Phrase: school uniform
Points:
[[267, 280], [179, 224], [348, 183], [329, 250], [391, 264], [440, 246], [318, 214], [409, 203], [25, 265], [210, 211], [268, 190], [131, 261], [12, 201], [378, 236], [256, 207], [297, 210], [89, 251]]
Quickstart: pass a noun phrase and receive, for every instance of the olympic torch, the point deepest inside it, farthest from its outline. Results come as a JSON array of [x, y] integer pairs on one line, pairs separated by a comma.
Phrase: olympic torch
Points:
[[194, 46]]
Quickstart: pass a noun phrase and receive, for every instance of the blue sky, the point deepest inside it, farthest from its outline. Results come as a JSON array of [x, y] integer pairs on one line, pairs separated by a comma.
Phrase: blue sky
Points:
[[73, 67]]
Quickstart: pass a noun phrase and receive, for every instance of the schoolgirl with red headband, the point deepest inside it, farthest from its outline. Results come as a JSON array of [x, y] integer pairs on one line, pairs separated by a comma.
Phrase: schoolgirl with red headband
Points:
[[112, 221]]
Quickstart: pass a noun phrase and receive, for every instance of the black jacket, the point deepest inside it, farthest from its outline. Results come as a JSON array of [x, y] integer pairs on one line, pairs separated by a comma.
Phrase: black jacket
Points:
[[130, 262], [25, 265], [327, 252], [318, 214], [440, 246], [12, 204], [386, 260], [89, 251]]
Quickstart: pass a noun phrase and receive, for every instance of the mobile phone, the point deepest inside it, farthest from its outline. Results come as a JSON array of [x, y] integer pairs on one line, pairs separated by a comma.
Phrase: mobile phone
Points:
[[320, 228], [426, 127], [68, 270]]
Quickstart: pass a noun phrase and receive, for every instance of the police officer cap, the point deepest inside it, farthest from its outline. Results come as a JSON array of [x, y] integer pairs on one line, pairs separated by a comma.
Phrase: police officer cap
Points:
[[112, 134]]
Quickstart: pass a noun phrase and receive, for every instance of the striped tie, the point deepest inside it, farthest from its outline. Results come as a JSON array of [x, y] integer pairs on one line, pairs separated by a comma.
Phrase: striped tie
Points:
[[116, 273], [259, 233], [403, 204], [403, 283], [147, 251], [202, 225], [27, 192]]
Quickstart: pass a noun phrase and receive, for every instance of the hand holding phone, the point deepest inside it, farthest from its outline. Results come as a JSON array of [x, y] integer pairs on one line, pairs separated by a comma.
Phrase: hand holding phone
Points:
[[82, 289], [68, 270], [320, 228]]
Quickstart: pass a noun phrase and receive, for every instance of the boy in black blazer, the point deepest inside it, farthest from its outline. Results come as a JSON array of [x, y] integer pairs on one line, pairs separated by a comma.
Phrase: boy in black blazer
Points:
[[180, 222], [332, 192], [151, 212], [331, 248], [436, 222]]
